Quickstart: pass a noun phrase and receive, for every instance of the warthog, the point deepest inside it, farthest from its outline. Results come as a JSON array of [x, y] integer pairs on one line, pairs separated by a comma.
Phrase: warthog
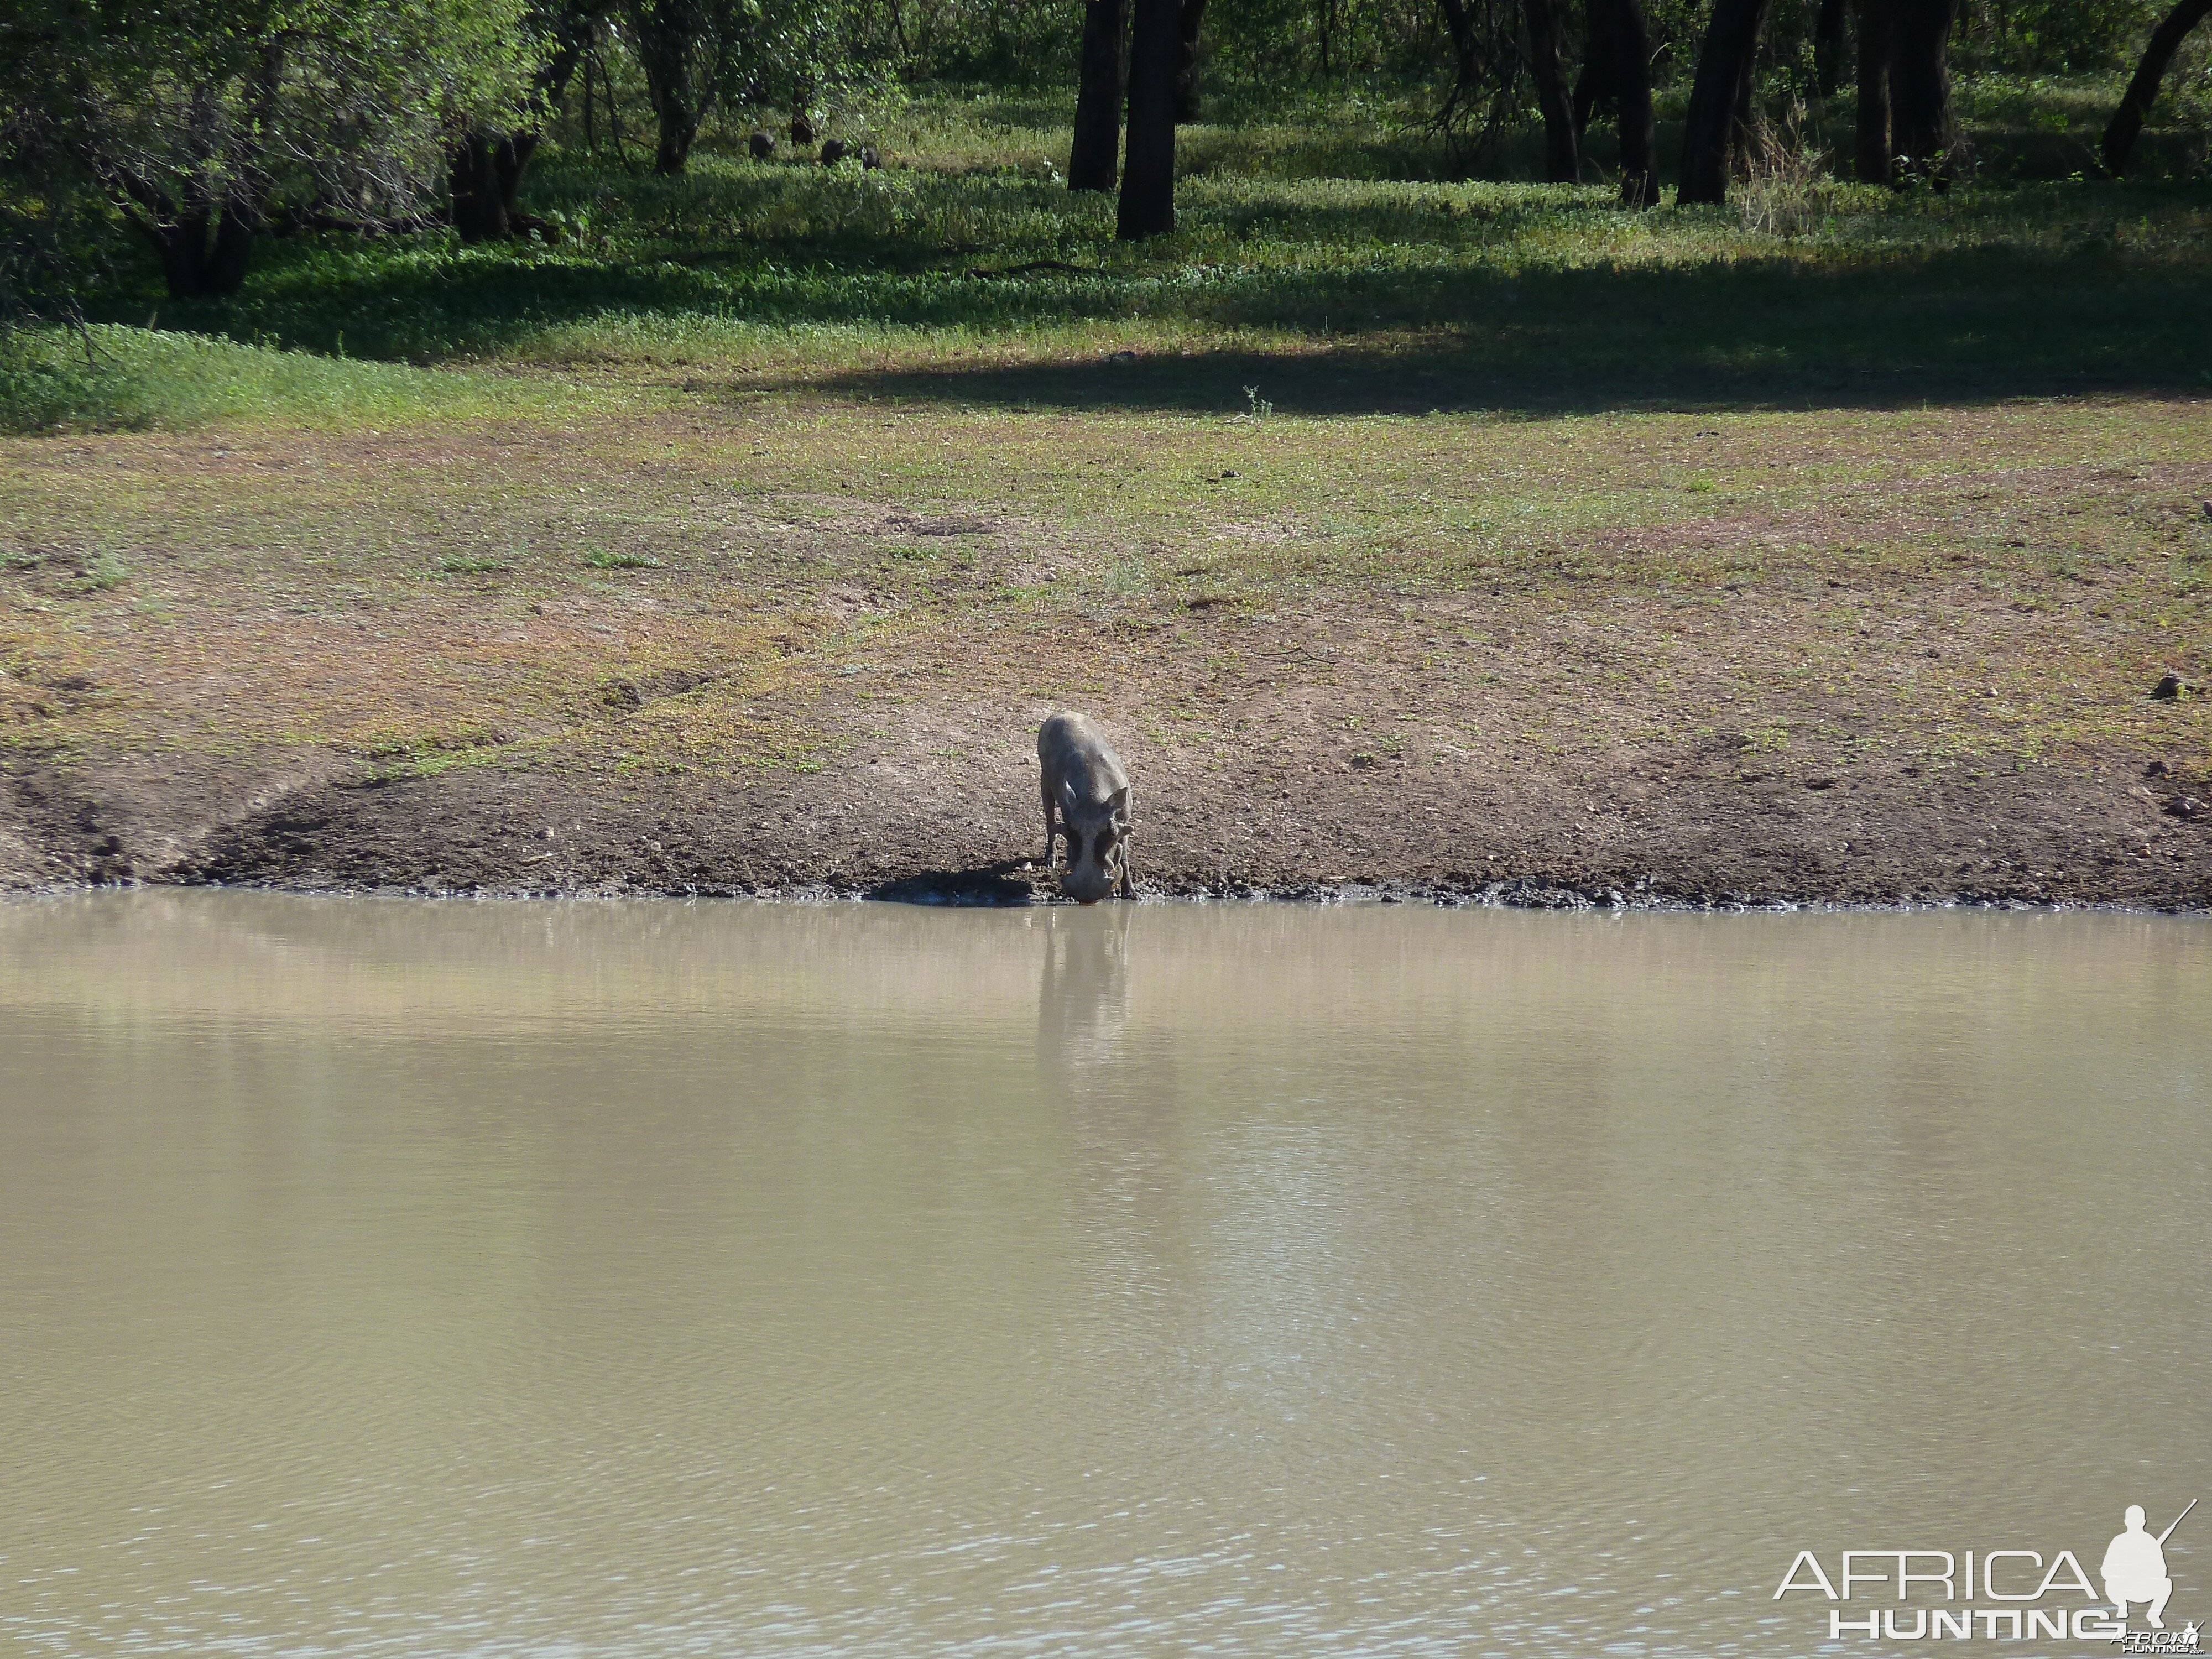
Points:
[[834, 150], [762, 144], [1085, 784]]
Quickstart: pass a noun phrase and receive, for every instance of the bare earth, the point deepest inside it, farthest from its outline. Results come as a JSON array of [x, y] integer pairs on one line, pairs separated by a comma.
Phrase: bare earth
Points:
[[781, 641]]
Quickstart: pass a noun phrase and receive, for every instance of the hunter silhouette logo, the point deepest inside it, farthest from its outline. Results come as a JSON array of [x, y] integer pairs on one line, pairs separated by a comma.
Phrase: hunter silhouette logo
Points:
[[2135, 1567], [2132, 1573]]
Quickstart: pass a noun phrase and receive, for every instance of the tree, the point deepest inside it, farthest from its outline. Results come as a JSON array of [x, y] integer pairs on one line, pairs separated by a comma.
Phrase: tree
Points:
[[207, 121], [1828, 46], [1546, 48], [1147, 204], [1875, 158], [1920, 87], [1617, 71], [674, 40], [1189, 16], [1713, 134], [485, 161], [2142, 89], [697, 53], [1092, 161], [1904, 123]]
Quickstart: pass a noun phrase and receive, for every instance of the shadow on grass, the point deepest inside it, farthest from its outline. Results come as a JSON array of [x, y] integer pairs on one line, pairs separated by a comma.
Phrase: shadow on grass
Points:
[[1964, 328], [1447, 320]]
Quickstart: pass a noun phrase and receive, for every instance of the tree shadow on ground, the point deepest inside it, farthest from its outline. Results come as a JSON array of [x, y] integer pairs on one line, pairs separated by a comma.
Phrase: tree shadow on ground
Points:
[[1852, 328], [1955, 329]]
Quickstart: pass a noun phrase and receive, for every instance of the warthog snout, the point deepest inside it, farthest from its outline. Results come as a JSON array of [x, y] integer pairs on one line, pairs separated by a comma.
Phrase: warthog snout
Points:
[[1094, 863]]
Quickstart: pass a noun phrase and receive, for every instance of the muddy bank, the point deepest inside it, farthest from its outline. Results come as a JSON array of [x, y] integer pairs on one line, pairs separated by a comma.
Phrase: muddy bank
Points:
[[1685, 826]]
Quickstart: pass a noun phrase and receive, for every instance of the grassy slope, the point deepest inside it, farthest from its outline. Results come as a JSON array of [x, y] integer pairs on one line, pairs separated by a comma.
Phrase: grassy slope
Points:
[[1563, 487]]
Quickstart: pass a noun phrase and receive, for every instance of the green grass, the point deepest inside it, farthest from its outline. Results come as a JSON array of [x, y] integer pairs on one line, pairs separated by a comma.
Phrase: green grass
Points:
[[1324, 257], [118, 378]]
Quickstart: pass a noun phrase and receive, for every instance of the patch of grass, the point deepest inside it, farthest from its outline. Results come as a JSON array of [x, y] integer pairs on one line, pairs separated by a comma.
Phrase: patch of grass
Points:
[[1325, 255], [105, 569], [606, 558], [121, 379]]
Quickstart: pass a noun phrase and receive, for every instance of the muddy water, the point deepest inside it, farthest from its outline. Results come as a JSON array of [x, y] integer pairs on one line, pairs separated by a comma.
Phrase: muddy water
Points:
[[385, 1279]]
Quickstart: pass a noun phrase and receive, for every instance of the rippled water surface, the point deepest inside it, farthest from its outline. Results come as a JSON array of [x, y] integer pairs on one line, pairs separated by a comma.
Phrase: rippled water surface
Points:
[[392, 1279]]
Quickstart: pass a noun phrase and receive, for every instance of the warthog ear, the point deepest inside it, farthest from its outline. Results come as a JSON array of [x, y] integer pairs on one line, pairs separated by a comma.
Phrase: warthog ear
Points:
[[1118, 804]]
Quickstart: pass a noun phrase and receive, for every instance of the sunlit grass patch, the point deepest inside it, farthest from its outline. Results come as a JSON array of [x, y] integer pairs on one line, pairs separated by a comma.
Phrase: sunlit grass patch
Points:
[[114, 377]]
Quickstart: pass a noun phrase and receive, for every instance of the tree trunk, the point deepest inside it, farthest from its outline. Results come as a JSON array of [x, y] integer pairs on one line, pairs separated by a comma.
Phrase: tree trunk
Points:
[[1467, 53], [1094, 160], [1617, 70], [204, 251], [666, 36], [1920, 86], [1147, 205], [1192, 14], [1871, 148], [479, 209], [1828, 47], [1562, 156], [1711, 138], [2142, 91]]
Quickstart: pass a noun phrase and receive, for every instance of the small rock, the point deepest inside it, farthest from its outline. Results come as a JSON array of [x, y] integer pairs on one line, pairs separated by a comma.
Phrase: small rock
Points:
[[1819, 783], [1121, 356], [833, 150], [762, 144], [2186, 807], [2157, 769], [2170, 686]]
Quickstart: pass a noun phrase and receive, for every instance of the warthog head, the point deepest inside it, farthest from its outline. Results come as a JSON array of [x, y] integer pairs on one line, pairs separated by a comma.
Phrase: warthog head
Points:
[[1094, 845]]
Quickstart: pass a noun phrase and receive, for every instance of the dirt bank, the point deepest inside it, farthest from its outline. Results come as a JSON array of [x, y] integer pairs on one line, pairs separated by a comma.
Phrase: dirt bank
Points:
[[1829, 656], [940, 802]]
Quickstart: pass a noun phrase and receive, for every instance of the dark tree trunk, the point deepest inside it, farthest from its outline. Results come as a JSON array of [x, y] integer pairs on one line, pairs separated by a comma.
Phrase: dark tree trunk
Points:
[[1828, 47], [485, 169], [1467, 53], [1712, 135], [1562, 155], [668, 37], [204, 251], [1095, 159], [480, 198], [1920, 86], [1185, 82], [1617, 71], [1875, 160], [1147, 205], [2142, 91]]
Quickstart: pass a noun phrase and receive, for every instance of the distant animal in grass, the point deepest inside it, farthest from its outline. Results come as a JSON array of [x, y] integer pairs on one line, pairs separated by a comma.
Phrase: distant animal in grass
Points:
[[869, 159], [761, 143], [802, 129], [1085, 789], [833, 150]]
